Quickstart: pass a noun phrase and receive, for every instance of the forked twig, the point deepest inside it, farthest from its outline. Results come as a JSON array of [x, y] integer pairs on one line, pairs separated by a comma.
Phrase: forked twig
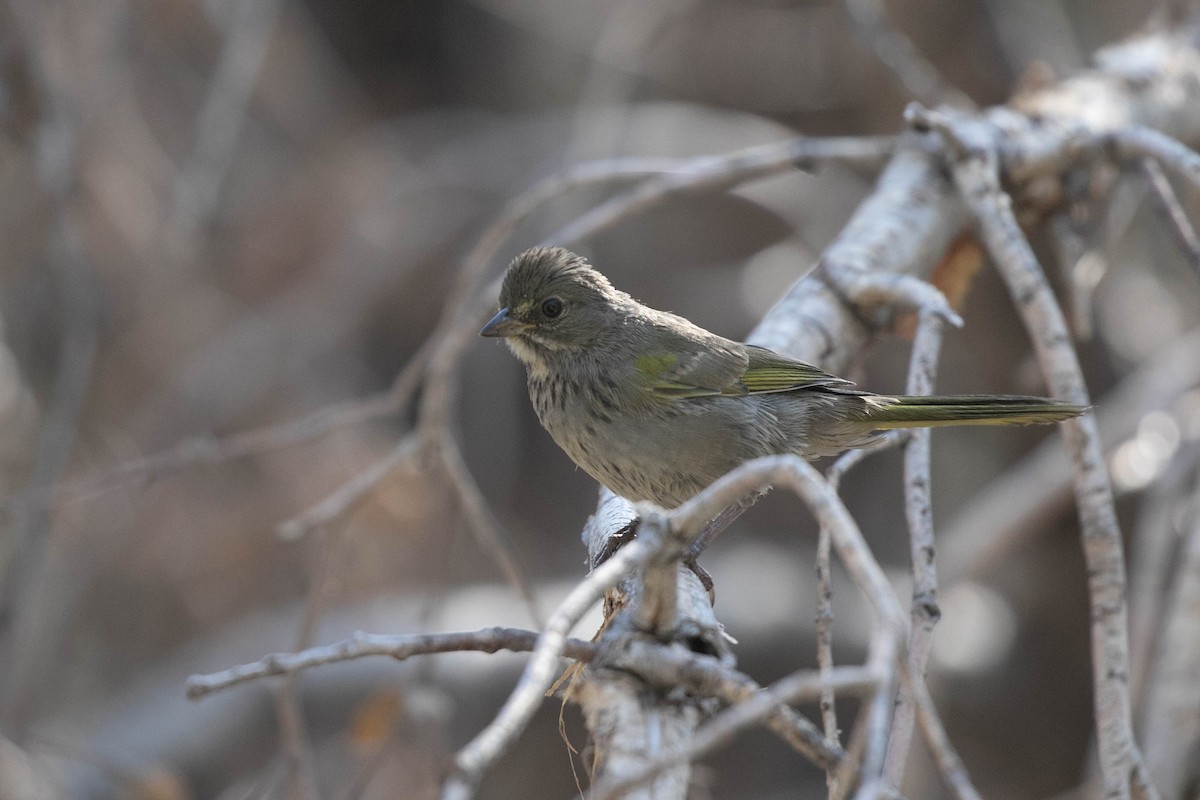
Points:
[[397, 646]]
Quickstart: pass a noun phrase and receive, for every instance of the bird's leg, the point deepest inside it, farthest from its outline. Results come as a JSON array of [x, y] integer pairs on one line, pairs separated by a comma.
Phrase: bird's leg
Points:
[[715, 527]]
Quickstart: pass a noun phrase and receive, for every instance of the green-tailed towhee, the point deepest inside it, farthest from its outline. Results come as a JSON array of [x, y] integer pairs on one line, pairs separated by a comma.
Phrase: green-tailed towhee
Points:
[[656, 408]]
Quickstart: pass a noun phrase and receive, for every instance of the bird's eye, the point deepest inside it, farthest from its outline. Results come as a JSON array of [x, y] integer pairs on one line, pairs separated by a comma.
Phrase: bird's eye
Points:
[[552, 307]]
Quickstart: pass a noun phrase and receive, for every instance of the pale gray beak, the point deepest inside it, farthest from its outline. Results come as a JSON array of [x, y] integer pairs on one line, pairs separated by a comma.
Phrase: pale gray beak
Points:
[[504, 325]]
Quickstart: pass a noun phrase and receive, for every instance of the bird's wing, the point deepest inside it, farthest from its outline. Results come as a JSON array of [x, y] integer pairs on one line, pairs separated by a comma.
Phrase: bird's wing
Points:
[[708, 365], [768, 371]]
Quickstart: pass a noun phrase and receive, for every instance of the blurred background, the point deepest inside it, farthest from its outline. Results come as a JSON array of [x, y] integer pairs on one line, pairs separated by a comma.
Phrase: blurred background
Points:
[[217, 215]]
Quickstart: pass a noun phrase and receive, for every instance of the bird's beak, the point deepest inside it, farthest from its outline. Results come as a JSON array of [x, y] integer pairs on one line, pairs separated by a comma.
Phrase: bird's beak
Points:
[[504, 325]]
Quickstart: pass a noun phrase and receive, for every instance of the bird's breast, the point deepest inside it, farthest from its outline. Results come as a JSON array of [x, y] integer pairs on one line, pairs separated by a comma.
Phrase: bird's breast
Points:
[[640, 448]]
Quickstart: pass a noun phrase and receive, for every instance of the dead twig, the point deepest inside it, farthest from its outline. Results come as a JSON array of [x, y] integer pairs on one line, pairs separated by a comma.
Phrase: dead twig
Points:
[[666, 535], [347, 496], [1169, 206], [397, 646], [824, 625], [918, 506], [1136, 143], [489, 533]]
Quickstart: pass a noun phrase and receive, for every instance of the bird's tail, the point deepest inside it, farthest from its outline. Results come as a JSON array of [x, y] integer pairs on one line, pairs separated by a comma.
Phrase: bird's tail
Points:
[[885, 412]]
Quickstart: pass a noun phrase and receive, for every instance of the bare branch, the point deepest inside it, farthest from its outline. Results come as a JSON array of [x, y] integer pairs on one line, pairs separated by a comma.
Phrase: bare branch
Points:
[[349, 494], [1138, 142], [298, 758], [667, 536], [824, 624], [918, 505], [488, 532], [949, 765], [211, 450], [23, 581], [399, 647], [1170, 207]]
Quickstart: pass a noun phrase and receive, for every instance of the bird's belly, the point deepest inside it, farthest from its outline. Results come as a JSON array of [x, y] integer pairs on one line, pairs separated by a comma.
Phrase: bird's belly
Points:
[[662, 455]]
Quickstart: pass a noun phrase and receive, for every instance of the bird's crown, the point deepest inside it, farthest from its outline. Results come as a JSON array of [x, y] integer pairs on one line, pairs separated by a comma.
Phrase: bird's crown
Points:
[[543, 271]]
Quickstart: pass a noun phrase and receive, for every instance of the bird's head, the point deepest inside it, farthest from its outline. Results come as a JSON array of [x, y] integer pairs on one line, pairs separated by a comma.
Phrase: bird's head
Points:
[[553, 304]]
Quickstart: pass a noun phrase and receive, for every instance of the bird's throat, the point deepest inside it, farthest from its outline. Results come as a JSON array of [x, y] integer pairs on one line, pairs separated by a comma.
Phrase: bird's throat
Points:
[[534, 355]]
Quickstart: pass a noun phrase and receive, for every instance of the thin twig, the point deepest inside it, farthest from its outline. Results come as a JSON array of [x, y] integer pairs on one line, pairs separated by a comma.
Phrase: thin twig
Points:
[[1172, 709], [877, 720], [399, 647], [852, 458], [23, 581], [721, 172], [340, 501], [1169, 206], [1155, 556], [1080, 267], [949, 765], [824, 626], [918, 507], [488, 532], [299, 777], [1138, 142], [211, 451]]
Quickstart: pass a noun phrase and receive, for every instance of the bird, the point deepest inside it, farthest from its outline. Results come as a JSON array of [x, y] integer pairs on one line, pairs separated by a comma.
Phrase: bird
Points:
[[657, 408]]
